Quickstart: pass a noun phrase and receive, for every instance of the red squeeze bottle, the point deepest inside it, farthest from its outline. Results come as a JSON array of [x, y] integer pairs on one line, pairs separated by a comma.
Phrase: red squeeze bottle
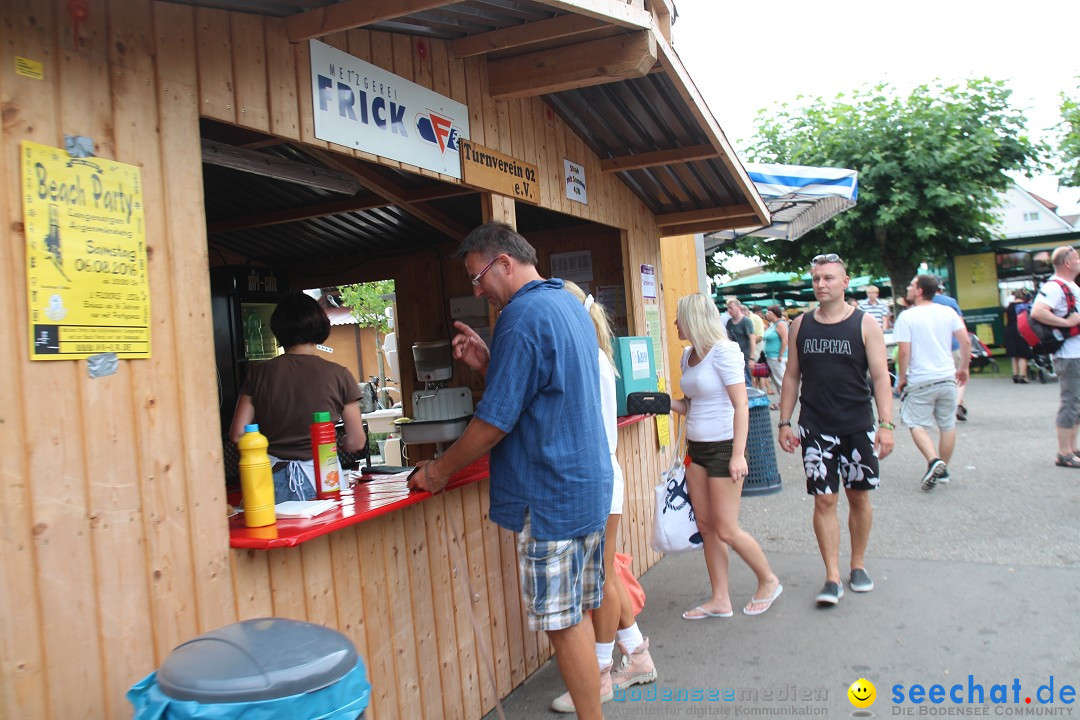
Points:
[[324, 452]]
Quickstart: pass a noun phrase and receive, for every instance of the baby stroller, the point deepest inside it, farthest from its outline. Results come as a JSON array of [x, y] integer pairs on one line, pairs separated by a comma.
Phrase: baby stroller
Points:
[[1041, 368], [980, 355]]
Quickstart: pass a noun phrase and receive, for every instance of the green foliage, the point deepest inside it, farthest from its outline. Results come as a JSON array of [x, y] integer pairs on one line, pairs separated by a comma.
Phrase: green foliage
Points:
[[367, 304], [1070, 139], [929, 166]]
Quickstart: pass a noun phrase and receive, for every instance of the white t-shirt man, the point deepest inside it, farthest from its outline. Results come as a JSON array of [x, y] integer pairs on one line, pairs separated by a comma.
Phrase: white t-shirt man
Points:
[[1051, 294], [929, 328]]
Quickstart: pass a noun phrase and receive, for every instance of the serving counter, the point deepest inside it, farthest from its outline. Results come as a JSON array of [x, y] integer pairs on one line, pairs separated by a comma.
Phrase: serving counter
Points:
[[369, 497]]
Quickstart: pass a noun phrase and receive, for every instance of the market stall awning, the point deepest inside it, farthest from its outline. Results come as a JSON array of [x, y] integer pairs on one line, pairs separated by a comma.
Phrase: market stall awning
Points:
[[792, 286], [799, 197]]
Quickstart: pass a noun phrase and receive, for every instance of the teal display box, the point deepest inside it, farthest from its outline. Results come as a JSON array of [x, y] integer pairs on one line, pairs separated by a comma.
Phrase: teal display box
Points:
[[636, 366]]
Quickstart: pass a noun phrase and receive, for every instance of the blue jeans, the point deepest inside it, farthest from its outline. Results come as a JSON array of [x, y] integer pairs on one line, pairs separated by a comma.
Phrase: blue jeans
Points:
[[300, 488]]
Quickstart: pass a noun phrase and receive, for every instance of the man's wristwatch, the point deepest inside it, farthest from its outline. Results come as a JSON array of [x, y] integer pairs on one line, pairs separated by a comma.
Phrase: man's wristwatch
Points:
[[783, 424]]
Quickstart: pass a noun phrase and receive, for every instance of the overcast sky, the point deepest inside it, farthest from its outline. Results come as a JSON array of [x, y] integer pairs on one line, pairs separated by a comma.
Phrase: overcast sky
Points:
[[748, 55]]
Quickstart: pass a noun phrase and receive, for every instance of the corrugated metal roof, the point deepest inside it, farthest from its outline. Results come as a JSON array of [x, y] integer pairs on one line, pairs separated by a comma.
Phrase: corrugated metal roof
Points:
[[630, 117]]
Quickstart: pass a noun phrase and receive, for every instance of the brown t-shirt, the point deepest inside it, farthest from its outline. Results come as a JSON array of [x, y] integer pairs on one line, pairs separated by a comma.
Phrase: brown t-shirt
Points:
[[288, 390]]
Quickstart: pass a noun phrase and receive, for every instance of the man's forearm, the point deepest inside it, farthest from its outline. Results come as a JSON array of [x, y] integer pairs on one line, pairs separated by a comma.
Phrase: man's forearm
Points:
[[479, 437]]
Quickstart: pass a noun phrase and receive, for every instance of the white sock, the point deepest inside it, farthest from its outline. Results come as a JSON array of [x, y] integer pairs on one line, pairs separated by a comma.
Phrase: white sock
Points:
[[604, 652], [630, 638]]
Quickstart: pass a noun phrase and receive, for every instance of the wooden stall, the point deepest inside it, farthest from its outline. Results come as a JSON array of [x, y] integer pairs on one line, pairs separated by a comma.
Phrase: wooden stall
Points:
[[114, 546]]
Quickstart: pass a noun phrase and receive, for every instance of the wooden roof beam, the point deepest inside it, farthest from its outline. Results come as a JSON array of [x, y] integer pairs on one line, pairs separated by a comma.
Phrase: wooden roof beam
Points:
[[288, 215], [370, 178], [527, 34], [573, 66], [658, 157], [722, 218], [278, 168], [630, 14], [352, 14]]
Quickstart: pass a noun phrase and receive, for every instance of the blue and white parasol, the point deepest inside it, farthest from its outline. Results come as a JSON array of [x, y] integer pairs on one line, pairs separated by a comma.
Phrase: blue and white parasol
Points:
[[799, 199]]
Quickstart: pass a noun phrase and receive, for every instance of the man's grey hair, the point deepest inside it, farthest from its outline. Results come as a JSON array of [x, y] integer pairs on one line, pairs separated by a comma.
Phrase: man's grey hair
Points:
[[496, 238]]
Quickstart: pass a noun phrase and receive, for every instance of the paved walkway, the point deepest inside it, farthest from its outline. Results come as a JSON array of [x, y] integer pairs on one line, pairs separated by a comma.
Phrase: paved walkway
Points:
[[979, 577]]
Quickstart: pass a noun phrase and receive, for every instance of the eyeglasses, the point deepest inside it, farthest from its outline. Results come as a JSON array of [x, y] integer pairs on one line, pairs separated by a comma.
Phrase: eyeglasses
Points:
[[476, 278], [830, 258]]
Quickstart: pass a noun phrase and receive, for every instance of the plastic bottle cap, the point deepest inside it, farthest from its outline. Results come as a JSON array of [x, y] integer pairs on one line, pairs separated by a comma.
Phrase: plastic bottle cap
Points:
[[254, 427], [321, 417]]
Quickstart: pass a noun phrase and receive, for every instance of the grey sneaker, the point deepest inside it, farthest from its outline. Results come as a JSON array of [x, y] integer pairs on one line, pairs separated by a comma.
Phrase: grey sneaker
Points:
[[934, 470], [944, 479], [860, 581], [830, 594]]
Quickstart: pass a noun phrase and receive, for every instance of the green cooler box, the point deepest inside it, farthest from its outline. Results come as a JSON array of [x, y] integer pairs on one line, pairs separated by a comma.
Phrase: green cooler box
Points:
[[636, 367]]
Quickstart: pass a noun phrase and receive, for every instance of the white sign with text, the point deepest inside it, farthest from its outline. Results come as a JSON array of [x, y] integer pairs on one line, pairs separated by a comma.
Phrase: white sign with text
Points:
[[364, 107]]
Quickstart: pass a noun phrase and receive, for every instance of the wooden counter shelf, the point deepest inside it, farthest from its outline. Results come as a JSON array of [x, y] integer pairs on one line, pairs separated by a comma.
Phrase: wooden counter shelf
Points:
[[373, 496]]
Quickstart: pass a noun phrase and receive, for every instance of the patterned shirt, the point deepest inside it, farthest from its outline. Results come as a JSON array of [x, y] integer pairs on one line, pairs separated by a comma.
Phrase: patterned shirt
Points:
[[543, 390]]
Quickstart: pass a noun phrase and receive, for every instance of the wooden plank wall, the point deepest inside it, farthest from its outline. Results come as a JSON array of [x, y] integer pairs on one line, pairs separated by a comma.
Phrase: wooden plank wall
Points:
[[114, 540]]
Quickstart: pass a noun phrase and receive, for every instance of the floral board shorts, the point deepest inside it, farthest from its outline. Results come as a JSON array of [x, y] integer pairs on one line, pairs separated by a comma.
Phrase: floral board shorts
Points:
[[560, 578], [829, 458]]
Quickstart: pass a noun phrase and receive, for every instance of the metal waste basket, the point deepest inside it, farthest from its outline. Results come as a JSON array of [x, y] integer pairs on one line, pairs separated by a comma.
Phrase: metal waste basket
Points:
[[267, 668], [763, 477]]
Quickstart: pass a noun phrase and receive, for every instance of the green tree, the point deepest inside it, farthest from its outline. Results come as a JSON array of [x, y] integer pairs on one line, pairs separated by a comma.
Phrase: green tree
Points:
[[368, 303], [929, 166], [1070, 140]]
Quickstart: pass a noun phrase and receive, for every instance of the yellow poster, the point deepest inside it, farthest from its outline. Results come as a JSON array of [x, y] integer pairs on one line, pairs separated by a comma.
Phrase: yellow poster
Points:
[[85, 256]]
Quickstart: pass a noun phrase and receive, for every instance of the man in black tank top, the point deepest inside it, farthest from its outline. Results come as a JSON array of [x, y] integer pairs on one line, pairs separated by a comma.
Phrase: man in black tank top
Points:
[[835, 347]]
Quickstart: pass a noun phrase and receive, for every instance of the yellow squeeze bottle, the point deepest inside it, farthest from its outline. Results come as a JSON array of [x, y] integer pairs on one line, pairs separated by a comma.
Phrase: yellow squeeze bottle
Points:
[[256, 478]]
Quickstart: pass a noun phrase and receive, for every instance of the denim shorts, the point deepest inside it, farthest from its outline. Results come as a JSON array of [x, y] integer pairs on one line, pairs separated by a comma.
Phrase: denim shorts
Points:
[[560, 578]]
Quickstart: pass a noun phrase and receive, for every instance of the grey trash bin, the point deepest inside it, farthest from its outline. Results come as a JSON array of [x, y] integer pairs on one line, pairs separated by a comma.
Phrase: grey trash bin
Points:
[[763, 477], [269, 667]]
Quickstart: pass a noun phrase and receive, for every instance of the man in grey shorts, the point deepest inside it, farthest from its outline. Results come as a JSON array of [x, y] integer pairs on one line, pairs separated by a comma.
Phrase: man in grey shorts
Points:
[[1056, 305], [926, 376]]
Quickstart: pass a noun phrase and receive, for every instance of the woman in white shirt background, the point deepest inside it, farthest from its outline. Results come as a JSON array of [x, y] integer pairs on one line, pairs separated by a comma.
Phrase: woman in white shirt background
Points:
[[718, 420]]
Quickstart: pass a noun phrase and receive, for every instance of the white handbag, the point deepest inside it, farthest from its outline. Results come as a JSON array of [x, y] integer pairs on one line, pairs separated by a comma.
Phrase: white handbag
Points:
[[674, 529]]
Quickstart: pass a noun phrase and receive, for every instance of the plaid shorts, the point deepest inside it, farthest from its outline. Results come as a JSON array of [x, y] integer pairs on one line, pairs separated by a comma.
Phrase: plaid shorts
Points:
[[560, 578]]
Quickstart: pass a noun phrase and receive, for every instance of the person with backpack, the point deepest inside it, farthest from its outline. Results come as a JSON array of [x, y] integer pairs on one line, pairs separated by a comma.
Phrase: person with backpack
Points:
[[1015, 346], [1056, 306]]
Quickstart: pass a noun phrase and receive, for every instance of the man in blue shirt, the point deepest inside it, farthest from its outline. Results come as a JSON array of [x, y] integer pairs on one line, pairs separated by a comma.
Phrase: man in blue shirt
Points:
[[540, 417]]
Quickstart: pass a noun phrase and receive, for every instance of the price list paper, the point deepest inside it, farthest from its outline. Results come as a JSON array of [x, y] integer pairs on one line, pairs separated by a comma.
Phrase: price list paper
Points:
[[85, 256]]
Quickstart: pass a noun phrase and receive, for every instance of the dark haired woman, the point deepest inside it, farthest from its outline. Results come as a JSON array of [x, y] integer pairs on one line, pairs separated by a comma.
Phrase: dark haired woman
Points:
[[282, 394], [1015, 346]]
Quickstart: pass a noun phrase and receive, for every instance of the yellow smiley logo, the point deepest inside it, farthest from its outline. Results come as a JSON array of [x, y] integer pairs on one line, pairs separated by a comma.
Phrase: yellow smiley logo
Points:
[[862, 693]]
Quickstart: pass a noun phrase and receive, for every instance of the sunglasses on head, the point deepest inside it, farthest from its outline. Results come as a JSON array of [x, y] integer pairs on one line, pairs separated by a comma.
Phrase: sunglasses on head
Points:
[[830, 258]]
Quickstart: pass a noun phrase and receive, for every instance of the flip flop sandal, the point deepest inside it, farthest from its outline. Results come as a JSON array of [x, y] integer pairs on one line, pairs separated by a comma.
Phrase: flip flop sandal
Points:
[[705, 614], [768, 602], [1069, 461]]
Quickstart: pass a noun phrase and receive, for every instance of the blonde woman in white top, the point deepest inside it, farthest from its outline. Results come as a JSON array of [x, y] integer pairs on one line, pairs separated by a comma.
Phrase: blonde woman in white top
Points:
[[613, 622], [718, 419]]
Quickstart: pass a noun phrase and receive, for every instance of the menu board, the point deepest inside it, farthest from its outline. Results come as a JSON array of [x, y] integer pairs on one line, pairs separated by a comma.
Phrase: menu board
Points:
[[86, 269]]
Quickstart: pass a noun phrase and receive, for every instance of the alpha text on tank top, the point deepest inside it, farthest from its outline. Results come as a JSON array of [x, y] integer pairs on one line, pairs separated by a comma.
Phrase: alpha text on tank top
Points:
[[835, 393]]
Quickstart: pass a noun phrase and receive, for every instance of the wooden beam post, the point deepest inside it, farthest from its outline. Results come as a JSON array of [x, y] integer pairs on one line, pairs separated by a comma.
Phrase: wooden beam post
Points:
[[527, 34], [659, 157], [352, 14], [573, 66]]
